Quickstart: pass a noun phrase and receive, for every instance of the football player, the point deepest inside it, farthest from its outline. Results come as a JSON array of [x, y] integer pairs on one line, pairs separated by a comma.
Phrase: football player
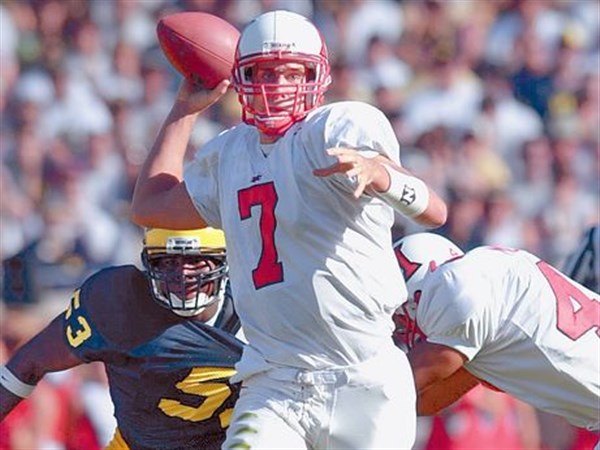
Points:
[[166, 336], [501, 317], [583, 265], [306, 195]]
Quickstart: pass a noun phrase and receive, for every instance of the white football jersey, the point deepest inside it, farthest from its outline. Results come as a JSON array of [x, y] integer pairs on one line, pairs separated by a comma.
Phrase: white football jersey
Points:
[[312, 270], [524, 327]]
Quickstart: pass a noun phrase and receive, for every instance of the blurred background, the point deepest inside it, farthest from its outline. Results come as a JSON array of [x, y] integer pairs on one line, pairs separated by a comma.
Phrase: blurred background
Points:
[[495, 104]]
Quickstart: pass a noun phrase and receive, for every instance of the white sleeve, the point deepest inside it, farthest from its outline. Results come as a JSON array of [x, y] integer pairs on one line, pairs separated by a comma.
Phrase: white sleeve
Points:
[[363, 127], [200, 176], [451, 313], [355, 125]]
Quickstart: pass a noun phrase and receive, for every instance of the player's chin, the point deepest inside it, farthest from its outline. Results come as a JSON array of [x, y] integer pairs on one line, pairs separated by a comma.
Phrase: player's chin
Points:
[[194, 293], [184, 295], [282, 106], [189, 296]]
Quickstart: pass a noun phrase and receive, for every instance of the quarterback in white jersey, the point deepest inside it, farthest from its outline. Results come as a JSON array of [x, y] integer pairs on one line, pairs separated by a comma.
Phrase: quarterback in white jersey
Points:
[[503, 317], [304, 303], [306, 196]]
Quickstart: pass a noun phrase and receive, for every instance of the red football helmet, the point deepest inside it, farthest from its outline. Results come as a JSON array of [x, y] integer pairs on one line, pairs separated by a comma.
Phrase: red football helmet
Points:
[[282, 37], [418, 254]]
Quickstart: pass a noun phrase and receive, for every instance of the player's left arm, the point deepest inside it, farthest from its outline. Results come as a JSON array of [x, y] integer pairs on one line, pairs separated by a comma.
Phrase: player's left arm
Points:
[[440, 376], [408, 194], [394, 184], [45, 352]]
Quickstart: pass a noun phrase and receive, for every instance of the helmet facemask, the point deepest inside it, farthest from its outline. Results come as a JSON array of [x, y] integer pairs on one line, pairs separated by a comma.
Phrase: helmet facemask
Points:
[[407, 332], [186, 284], [280, 37], [303, 96], [184, 276]]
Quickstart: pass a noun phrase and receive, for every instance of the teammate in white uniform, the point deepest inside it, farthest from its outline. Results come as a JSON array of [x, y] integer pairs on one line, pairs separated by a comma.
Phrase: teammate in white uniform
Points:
[[309, 242], [510, 319]]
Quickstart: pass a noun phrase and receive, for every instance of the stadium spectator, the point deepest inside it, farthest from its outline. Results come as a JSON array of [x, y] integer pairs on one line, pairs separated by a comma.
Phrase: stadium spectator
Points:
[[485, 420]]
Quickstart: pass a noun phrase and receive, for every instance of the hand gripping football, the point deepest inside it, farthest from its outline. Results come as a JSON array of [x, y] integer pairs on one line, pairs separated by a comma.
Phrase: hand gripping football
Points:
[[199, 45]]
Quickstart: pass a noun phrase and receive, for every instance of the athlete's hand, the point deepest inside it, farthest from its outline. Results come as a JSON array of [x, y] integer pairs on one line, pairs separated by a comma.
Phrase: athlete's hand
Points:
[[368, 172], [193, 99]]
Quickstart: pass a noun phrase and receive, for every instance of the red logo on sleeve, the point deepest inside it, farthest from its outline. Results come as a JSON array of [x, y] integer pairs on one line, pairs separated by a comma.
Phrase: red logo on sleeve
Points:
[[407, 266]]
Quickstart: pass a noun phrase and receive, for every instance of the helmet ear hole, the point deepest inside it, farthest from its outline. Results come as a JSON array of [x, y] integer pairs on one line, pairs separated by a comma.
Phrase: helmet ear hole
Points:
[[417, 296], [248, 73]]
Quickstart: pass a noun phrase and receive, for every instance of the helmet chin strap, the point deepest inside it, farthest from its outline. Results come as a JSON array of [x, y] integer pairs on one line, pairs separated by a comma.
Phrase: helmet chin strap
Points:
[[187, 312], [280, 130], [203, 300], [176, 304]]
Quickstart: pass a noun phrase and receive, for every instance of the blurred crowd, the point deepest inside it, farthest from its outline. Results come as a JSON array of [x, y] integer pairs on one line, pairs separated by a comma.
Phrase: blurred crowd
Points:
[[495, 104]]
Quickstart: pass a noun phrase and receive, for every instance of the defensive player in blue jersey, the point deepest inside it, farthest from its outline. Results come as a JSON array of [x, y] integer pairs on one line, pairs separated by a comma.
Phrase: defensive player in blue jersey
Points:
[[583, 264], [168, 361]]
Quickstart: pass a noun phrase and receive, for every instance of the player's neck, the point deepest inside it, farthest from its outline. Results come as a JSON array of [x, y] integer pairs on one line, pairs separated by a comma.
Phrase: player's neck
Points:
[[268, 138], [207, 313]]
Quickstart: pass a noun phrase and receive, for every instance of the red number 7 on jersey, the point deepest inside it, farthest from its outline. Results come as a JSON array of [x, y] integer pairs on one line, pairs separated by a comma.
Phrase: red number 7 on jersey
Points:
[[269, 270], [576, 312]]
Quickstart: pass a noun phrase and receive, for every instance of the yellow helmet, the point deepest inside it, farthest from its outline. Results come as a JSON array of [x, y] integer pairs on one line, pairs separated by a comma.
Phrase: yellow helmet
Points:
[[184, 241], [187, 268]]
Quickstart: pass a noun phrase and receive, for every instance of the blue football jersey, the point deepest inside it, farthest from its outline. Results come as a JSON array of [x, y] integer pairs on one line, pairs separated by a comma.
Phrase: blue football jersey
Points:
[[168, 375]]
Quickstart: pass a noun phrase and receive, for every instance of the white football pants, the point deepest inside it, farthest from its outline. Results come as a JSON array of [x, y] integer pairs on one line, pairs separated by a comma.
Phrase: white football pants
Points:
[[371, 405]]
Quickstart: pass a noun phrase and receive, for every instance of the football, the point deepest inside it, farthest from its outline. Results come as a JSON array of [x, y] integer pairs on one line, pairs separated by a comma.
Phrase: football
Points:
[[199, 45]]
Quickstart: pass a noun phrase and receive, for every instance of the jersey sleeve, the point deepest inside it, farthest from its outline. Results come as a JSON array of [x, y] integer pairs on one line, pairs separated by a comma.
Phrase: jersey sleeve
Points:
[[355, 125], [92, 323], [82, 335], [363, 127], [453, 313], [200, 176]]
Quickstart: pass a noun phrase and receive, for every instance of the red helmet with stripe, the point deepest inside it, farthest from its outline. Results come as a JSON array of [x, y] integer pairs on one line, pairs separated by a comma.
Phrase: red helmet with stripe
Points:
[[281, 37], [419, 254]]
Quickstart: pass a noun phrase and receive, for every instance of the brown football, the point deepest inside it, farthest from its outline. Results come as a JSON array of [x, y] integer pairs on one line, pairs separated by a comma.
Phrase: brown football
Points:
[[199, 45]]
